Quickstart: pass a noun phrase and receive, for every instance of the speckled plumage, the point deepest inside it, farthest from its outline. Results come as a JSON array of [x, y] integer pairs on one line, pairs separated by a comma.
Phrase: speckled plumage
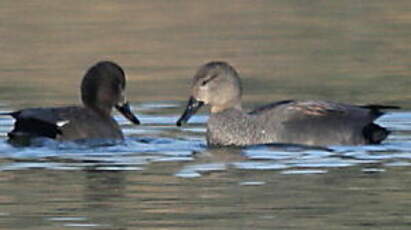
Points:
[[319, 123]]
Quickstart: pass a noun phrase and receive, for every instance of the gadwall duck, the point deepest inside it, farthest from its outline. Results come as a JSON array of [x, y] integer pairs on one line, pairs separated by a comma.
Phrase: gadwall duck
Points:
[[318, 123], [102, 88]]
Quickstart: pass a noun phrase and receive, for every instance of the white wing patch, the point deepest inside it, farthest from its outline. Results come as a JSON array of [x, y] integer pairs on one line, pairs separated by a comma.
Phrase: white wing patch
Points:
[[62, 123]]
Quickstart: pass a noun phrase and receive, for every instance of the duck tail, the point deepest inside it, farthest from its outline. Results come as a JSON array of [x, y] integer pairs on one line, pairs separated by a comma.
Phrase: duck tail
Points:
[[374, 133], [378, 107], [13, 114]]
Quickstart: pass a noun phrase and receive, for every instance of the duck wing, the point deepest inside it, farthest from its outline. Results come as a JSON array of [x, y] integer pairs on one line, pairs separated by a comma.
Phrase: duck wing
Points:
[[324, 123], [40, 122], [269, 107]]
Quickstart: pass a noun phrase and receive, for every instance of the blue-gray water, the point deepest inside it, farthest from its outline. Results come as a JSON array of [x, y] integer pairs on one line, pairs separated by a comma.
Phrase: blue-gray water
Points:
[[163, 176]]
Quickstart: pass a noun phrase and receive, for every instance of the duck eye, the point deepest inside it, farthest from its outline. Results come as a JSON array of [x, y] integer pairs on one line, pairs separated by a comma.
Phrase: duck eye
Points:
[[204, 82]]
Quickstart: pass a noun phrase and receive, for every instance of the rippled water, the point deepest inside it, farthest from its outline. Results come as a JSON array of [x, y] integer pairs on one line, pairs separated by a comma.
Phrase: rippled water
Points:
[[165, 177], [159, 140]]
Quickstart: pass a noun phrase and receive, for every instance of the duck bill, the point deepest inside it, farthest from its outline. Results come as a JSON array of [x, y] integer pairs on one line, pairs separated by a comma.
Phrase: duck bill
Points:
[[126, 111], [192, 107]]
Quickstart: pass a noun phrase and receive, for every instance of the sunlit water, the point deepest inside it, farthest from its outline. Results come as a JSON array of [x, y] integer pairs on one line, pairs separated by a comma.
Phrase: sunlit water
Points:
[[165, 177], [159, 140]]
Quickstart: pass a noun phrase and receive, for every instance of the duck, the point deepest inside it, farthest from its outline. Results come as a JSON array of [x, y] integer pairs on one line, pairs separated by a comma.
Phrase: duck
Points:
[[310, 122], [102, 89]]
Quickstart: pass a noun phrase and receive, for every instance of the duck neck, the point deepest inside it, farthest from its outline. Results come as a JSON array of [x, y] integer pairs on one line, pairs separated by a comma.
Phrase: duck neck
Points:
[[221, 108], [101, 110]]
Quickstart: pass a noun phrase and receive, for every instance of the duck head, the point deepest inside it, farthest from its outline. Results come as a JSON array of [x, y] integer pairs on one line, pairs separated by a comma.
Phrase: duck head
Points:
[[103, 88], [216, 84]]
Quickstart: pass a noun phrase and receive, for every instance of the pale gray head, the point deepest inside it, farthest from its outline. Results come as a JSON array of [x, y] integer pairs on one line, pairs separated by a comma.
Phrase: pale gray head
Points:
[[216, 84], [103, 87]]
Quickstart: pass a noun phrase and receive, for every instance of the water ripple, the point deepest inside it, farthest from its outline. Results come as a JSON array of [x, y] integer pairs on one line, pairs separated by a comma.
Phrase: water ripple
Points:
[[159, 140]]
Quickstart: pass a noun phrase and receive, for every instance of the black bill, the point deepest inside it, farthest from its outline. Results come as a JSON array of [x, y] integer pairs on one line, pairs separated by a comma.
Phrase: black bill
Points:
[[126, 111], [192, 107]]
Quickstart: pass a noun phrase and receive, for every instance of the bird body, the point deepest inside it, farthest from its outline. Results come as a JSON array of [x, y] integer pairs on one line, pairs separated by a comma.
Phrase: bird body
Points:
[[318, 123], [102, 89]]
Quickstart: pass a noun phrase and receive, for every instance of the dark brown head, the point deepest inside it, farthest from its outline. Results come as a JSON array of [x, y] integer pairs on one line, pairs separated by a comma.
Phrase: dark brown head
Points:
[[103, 87]]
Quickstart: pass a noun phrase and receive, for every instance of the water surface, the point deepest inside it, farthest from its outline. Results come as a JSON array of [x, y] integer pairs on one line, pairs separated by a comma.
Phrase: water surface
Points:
[[164, 177]]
